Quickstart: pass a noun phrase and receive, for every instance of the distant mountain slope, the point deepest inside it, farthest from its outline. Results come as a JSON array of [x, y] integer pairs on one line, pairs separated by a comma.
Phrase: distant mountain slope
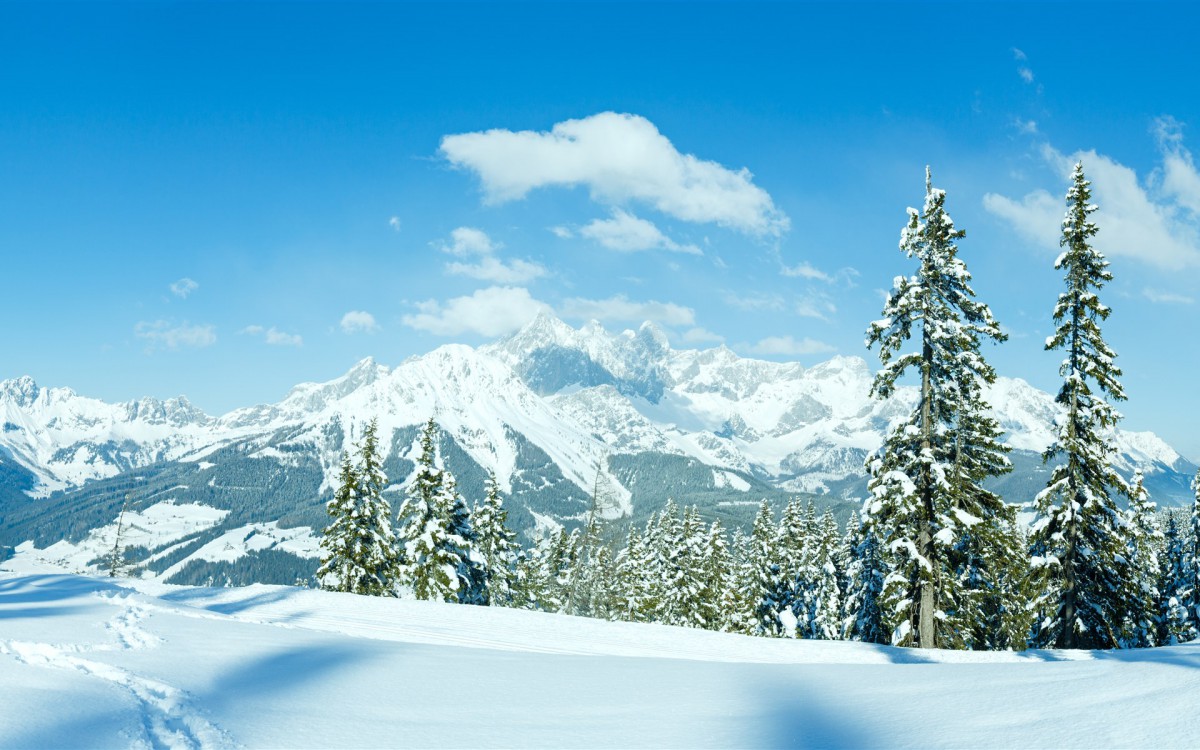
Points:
[[551, 410]]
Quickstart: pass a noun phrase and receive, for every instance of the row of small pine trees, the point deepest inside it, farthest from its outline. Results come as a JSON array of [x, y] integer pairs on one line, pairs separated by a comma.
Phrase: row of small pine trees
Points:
[[798, 577]]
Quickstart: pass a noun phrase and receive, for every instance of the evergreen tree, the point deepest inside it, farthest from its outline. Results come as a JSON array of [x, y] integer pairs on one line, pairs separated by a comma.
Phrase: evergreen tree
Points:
[[436, 556], [1079, 536], [358, 548], [862, 616], [1174, 590], [115, 564], [741, 598], [1143, 540], [923, 484], [496, 544], [818, 601], [769, 586], [716, 569], [1192, 559]]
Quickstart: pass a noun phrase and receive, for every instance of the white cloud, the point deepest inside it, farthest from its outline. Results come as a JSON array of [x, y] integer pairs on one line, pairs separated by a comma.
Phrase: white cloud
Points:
[[1026, 74], [1167, 298], [1155, 222], [618, 158], [789, 346], [183, 287], [170, 336], [394, 223], [1026, 127], [357, 321], [817, 306], [466, 241], [626, 233], [621, 309], [1018, 54], [273, 336], [1179, 179], [495, 270], [753, 301], [1037, 217], [701, 336], [806, 271], [494, 311], [563, 233]]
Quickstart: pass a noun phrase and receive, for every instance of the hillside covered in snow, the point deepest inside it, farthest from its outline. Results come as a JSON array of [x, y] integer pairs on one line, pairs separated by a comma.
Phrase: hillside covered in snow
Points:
[[552, 410], [148, 665]]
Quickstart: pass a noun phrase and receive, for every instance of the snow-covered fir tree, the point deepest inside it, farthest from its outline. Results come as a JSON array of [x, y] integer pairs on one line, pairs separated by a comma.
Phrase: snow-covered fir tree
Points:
[[472, 568], [768, 585], [1192, 559], [1079, 536], [741, 598], [862, 618], [817, 600], [922, 502], [358, 547], [435, 555], [1174, 589], [716, 566], [1144, 538], [496, 544]]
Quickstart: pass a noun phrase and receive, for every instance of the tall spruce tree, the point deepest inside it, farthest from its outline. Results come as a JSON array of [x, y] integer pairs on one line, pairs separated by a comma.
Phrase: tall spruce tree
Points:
[[924, 496], [1079, 538]]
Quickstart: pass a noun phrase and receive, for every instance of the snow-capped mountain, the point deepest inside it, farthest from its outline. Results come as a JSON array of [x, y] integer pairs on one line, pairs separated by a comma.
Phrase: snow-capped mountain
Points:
[[552, 410]]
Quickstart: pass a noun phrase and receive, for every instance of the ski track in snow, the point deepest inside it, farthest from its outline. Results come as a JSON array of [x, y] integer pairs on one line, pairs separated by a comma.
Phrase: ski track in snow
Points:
[[168, 717]]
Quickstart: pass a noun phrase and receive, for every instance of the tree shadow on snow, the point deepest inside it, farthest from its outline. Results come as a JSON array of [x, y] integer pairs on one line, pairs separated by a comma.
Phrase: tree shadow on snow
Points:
[[255, 680], [797, 718], [196, 597], [50, 588]]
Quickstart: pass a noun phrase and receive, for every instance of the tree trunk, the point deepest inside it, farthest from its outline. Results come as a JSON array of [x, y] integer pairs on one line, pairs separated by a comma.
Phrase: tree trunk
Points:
[[926, 625]]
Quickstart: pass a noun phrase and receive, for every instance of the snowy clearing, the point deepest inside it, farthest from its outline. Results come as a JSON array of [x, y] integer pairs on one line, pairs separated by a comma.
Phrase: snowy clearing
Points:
[[96, 662]]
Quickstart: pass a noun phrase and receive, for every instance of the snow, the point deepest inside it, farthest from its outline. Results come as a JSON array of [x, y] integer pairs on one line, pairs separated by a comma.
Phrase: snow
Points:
[[802, 428], [153, 527], [99, 663]]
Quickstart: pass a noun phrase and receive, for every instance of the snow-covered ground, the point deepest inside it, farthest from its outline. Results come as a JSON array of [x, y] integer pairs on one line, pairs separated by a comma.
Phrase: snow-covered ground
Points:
[[97, 662]]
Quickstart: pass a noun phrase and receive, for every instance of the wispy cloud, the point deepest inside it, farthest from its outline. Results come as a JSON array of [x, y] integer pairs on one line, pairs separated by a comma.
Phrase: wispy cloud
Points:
[[627, 233], [169, 335], [1167, 298], [806, 270], [394, 223], [624, 310], [273, 336], [619, 158], [701, 336], [789, 346], [493, 269], [1156, 220], [494, 311], [183, 287], [359, 321], [816, 305], [753, 301]]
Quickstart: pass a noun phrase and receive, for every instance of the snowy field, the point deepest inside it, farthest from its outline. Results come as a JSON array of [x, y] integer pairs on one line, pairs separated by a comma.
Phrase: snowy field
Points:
[[97, 663]]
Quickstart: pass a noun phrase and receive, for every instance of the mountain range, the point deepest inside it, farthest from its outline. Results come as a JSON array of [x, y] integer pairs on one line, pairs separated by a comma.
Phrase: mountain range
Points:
[[559, 414]]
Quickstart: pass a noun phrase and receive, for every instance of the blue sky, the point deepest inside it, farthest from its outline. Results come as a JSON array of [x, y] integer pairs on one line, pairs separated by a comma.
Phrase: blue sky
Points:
[[223, 200]]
